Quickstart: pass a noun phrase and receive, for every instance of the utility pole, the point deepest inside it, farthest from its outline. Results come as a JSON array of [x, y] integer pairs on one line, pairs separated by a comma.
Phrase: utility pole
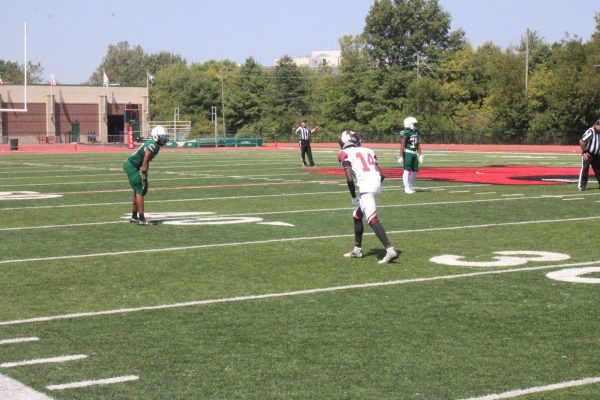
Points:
[[526, 62], [214, 117], [223, 101]]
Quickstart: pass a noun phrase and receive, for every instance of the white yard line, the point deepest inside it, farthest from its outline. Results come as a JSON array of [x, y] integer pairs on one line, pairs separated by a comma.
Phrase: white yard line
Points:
[[424, 204], [538, 389], [50, 360], [19, 340], [259, 196], [108, 381], [287, 294], [291, 239], [11, 389]]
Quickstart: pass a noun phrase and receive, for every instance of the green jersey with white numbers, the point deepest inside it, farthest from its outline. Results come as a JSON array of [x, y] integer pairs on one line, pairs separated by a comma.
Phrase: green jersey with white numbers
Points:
[[412, 139], [137, 158]]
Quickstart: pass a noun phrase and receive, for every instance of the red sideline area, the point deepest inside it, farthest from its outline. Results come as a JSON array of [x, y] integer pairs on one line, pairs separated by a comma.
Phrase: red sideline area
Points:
[[495, 175], [80, 147]]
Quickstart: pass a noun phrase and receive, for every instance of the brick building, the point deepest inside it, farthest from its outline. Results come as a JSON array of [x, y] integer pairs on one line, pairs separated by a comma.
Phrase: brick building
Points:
[[71, 113]]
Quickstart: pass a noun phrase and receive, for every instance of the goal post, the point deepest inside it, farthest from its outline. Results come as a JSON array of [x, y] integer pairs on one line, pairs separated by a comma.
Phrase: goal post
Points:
[[24, 109]]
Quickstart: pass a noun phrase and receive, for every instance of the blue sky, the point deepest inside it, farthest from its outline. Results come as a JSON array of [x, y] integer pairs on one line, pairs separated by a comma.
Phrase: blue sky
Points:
[[70, 37]]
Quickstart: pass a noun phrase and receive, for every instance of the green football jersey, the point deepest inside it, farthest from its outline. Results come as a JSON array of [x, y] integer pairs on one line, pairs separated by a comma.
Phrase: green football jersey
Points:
[[137, 158], [412, 139]]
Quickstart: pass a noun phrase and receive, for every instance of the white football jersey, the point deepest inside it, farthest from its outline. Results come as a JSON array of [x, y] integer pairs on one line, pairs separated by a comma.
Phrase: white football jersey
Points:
[[364, 167]]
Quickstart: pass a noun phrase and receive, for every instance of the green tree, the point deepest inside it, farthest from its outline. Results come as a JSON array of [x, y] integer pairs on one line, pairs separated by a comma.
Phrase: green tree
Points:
[[397, 31], [287, 97], [12, 72], [565, 93], [127, 65], [246, 98]]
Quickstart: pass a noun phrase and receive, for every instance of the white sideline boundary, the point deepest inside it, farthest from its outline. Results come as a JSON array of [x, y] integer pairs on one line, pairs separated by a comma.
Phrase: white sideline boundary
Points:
[[538, 389], [287, 294], [11, 389], [292, 239]]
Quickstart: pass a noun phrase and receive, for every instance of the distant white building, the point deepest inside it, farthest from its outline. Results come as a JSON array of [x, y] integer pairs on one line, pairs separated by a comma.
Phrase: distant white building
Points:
[[318, 58]]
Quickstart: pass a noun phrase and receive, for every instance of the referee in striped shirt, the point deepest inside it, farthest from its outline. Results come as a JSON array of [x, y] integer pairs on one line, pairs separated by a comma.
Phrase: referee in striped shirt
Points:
[[590, 154], [303, 133]]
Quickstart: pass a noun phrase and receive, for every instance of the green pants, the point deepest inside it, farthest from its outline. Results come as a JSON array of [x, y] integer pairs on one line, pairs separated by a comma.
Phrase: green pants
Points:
[[134, 176]]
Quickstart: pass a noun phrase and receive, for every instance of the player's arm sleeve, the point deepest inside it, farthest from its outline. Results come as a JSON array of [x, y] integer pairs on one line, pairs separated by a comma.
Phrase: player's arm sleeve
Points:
[[349, 178], [402, 145], [146, 164]]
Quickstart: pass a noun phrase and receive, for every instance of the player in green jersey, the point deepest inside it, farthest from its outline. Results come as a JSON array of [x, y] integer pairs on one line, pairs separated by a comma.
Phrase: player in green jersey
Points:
[[410, 153], [136, 167]]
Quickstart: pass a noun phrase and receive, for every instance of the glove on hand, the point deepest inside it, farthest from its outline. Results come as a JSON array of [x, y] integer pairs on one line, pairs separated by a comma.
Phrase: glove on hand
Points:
[[421, 159], [356, 202], [144, 187]]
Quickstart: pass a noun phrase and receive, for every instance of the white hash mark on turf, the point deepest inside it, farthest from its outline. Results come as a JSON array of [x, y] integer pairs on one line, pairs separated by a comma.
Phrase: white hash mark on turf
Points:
[[538, 389], [11, 389], [19, 340], [43, 361], [286, 294], [108, 381]]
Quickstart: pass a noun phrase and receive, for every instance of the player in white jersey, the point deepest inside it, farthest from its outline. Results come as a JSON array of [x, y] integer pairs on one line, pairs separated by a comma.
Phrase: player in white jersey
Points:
[[360, 163]]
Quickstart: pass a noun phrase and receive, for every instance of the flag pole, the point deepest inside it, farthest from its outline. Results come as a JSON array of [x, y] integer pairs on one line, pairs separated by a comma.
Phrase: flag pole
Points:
[[25, 67]]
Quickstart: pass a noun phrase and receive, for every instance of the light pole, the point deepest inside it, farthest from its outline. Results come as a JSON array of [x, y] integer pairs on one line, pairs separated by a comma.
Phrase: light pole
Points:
[[223, 101]]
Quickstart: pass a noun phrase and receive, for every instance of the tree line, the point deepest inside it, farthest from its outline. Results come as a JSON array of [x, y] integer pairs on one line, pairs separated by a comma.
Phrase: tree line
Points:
[[407, 61]]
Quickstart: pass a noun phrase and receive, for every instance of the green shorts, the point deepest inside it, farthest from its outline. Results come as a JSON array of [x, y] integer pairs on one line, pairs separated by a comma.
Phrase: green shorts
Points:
[[134, 176], [411, 162]]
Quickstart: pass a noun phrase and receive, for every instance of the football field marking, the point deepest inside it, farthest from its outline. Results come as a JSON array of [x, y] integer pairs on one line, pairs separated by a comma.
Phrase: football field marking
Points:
[[538, 389], [258, 196], [11, 389], [573, 275], [287, 294], [17, 228], [19, 340], [291, 239], [108, 381], [50, 360]]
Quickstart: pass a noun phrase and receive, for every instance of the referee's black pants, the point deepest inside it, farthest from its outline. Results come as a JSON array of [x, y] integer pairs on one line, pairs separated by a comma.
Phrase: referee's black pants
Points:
[[305, 150], [594, 162]]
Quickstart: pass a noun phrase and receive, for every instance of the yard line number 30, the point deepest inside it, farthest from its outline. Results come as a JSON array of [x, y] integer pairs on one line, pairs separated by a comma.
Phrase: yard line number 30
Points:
[[515, 258]]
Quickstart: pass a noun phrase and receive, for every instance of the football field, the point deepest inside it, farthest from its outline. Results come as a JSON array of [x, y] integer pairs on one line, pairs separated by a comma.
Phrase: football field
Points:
[[239, 290]]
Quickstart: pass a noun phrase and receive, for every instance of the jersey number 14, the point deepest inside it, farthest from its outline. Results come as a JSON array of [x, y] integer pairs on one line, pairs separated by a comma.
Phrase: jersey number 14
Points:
[[368, 163]]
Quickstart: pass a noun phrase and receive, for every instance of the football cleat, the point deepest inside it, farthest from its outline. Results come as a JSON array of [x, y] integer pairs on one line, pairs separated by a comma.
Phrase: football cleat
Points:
[[134, 220], [409, 190], [355, 253], [144, 222], [390, 255]]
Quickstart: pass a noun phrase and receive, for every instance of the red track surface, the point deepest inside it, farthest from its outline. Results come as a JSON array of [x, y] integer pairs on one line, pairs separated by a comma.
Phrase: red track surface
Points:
[[77, 147]]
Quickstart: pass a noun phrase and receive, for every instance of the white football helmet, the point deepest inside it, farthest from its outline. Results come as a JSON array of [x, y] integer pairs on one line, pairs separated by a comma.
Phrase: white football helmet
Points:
[[411, 123], [349, 139], [159, 134]]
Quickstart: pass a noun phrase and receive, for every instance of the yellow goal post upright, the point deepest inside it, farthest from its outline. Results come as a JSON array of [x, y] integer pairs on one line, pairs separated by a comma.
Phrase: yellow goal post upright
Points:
[[24, 109]]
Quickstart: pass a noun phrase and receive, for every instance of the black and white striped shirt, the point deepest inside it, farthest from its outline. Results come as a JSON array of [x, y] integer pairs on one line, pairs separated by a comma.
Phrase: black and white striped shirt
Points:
[[592, 141], [303, 133]]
